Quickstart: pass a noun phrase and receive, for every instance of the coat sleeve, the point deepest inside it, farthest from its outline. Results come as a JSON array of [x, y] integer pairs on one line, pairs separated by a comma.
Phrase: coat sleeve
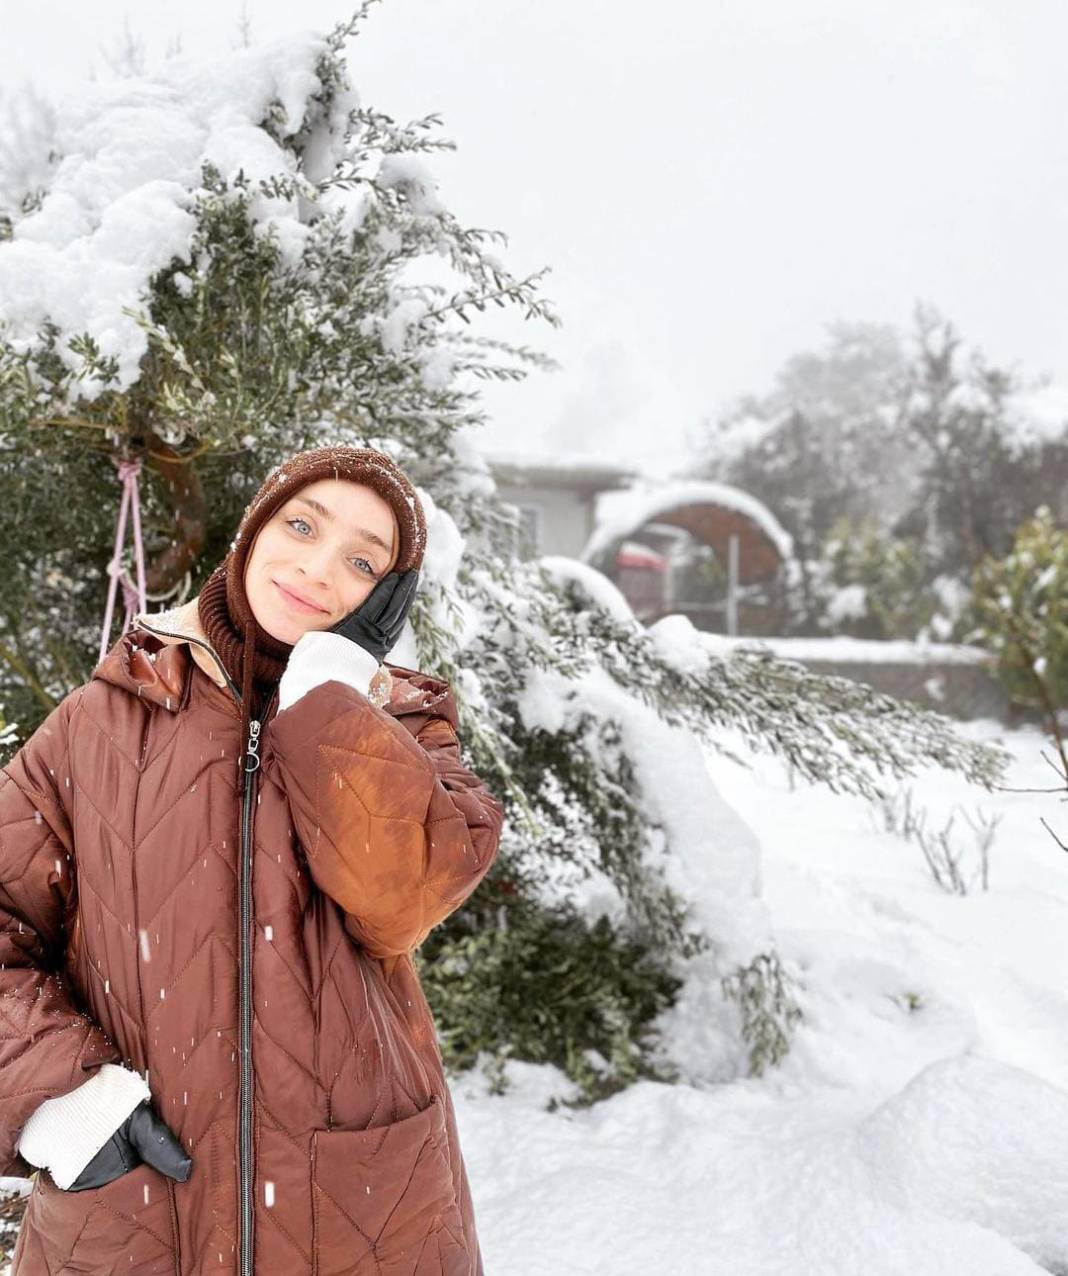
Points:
[[48, 1046], [395, 828]]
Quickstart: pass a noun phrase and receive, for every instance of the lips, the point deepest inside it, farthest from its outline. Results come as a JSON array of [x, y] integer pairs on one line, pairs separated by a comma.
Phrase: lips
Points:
[[298, 601]]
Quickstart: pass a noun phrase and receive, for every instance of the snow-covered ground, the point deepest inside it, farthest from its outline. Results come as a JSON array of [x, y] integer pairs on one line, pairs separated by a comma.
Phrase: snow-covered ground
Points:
[[919, 1126]]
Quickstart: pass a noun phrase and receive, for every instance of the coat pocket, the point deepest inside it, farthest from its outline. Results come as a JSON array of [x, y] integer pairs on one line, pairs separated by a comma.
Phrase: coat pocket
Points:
[[384, 1202], [124, 1226]]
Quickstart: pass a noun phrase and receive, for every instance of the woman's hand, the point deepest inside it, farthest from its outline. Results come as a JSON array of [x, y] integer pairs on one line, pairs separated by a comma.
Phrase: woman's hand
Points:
[[143, 1136], [377, 623]]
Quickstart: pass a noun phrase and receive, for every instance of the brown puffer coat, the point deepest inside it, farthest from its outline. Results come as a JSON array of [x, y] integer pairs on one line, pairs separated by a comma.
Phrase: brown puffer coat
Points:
[[122, 893]]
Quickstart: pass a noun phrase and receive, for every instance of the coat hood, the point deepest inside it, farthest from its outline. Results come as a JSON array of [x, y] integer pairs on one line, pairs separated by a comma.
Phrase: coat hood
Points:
[[155, 660]]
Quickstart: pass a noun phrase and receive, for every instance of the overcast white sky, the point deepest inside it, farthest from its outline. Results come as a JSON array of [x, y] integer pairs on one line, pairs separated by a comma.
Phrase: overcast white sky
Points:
[[711, 183]]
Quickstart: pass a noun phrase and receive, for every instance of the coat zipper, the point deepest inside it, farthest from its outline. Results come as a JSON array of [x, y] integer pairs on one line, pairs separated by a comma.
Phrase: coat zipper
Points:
[[252, 763], [245, 1081]]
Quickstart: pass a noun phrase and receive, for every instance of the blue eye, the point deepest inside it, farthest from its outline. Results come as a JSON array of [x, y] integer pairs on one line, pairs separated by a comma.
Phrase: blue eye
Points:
[[370, 569]]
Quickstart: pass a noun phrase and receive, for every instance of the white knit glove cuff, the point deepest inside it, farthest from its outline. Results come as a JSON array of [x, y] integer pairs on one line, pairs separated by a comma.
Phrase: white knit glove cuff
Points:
[[65, 1133], [319, 656]]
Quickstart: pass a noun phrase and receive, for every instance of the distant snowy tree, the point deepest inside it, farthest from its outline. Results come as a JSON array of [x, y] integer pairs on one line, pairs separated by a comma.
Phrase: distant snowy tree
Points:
[[982, 475], [817, 447], [239, 260], [961, 439]]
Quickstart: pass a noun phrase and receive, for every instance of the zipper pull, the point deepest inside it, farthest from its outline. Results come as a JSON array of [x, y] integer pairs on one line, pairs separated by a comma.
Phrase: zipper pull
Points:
[[252, 757]]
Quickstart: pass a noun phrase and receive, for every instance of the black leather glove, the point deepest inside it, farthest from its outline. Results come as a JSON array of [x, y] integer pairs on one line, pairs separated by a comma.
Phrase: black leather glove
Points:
[[377, 623], [142, 1137]]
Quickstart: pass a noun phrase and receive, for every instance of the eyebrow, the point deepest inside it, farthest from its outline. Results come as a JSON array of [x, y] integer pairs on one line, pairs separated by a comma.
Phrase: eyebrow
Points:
[[360, 531]]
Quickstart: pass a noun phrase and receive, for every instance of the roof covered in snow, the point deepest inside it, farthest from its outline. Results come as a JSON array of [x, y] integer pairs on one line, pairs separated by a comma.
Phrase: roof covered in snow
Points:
[[559, 470], [621, 513]]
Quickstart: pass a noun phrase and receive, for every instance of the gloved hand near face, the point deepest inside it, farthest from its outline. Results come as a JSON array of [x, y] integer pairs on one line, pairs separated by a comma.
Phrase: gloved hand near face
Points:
[[378, 621], [369, 632]]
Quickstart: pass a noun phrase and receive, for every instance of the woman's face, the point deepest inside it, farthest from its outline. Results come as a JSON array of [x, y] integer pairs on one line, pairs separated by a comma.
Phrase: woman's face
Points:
[[331, 556]]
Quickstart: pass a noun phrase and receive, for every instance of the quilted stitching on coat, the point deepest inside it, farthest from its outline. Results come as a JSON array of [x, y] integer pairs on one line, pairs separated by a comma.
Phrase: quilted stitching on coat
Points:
[[357, 1159]]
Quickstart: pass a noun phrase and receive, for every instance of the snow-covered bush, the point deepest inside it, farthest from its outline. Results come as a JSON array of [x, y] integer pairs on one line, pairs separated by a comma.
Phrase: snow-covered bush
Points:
[[871, 584], [1020, 613]]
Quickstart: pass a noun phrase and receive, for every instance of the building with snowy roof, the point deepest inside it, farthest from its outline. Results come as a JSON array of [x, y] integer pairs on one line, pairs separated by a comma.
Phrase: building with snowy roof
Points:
[[555, 498], [717, 556], [706, 550]]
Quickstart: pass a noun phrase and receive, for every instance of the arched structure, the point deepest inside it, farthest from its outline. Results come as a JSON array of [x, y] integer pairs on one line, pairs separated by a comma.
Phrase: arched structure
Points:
[[691, 525]]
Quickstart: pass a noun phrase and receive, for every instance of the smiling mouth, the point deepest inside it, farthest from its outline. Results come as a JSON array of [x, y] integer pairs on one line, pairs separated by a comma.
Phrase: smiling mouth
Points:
[[298, 604]]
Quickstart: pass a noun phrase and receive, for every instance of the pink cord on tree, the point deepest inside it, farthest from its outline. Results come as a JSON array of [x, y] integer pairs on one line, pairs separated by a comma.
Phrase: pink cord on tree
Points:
[[134, 598]]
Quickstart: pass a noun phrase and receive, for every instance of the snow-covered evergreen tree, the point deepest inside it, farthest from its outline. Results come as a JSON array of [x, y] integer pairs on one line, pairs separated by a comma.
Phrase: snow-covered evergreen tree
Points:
[[211, 265]]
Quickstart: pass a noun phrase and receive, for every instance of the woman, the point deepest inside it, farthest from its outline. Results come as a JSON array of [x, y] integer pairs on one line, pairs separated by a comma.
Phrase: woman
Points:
[[216, 861]]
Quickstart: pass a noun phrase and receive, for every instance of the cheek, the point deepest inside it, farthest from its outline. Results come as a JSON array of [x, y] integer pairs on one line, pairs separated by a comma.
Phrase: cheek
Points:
[[262, 555], [268, 548], [252, 562], [357, 593]]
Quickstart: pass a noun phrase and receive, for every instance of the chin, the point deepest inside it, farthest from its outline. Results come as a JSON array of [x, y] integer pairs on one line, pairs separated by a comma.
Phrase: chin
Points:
[[280, 633], [287, 636]]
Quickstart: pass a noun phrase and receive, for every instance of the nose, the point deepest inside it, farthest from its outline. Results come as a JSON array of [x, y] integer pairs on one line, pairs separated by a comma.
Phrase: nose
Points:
[[315, 568]]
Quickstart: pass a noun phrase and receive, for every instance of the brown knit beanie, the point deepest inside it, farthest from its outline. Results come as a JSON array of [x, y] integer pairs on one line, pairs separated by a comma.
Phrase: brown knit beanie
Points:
[[250, 654]]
